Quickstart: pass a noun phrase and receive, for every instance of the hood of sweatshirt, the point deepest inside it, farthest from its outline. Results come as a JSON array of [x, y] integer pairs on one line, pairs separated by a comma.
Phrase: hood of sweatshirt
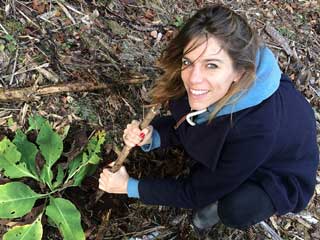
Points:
[[267, 81]]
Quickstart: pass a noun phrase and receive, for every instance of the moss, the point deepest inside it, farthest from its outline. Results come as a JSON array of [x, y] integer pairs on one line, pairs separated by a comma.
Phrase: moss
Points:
[[13, 26]]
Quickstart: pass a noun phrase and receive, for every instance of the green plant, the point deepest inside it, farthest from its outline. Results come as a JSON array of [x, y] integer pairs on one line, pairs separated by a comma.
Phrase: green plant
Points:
[[178, 22], [18, 160], [11, 42], [286, 32]]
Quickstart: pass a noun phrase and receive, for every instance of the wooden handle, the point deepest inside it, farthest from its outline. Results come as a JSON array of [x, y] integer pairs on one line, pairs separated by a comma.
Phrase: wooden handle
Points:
[[126, 149]]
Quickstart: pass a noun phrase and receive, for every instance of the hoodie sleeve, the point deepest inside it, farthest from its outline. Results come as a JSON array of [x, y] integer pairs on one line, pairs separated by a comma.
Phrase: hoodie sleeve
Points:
[[203, 186], [165, 128]]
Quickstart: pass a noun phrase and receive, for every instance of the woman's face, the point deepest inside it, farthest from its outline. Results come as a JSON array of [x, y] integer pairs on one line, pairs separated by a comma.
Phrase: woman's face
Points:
[[207, 73]]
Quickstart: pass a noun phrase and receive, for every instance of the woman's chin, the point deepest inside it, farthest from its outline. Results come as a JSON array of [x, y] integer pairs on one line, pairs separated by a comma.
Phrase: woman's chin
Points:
[[198, 106]]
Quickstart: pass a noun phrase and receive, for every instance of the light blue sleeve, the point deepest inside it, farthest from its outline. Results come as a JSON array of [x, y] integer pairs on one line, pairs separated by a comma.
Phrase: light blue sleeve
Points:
[[132, 188], [155, 142]]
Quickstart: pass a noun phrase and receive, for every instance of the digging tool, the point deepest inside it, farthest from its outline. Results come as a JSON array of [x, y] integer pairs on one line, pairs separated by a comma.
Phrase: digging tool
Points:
[[126, 149]]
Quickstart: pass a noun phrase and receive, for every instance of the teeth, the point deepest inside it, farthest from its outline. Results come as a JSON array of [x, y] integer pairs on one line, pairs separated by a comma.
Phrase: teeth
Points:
[[198, 92]]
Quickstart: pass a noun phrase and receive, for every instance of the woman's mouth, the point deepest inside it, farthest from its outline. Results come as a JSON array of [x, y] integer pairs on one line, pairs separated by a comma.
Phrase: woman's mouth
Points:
[[198, 92]]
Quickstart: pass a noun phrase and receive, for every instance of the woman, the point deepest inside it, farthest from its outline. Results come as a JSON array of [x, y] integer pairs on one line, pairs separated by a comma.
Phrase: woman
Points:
[[250, 132]]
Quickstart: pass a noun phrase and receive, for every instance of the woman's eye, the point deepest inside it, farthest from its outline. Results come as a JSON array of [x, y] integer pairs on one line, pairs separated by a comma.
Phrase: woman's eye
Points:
[[185, 62], [212, 65]]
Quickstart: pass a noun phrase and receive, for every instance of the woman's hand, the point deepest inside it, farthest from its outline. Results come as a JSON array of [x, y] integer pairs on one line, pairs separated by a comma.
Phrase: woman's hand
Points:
[[114, 182], [133, 136]]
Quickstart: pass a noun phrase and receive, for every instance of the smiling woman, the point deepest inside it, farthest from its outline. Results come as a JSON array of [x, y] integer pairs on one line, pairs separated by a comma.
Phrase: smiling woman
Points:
[[238, 117], [207, 73]]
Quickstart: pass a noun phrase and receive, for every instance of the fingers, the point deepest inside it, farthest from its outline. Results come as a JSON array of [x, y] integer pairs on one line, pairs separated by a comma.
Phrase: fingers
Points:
[[133, 136], [147, 132], [114, 182], [104, 180]]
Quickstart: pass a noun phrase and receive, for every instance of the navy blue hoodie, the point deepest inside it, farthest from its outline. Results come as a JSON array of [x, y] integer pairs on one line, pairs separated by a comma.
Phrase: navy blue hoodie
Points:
[[268, 136]]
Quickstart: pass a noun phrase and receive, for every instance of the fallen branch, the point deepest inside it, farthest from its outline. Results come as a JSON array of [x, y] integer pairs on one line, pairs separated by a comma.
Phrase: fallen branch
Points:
[[268, 229], [29, 93], [276, 36]]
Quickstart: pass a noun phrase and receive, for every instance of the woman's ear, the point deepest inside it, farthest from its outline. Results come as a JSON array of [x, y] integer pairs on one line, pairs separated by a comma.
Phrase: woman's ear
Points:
[[238, 76]]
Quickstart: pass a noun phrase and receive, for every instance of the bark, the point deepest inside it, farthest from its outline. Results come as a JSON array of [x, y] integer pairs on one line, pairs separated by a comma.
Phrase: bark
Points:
[[29, 93]]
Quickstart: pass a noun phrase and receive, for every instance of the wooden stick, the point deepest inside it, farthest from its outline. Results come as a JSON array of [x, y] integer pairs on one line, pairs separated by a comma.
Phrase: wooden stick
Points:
[[269, 230], [126, 149], [25, 94]]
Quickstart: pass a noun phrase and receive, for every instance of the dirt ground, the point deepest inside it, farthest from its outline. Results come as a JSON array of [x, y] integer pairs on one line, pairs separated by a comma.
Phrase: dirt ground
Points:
[[113, 46]]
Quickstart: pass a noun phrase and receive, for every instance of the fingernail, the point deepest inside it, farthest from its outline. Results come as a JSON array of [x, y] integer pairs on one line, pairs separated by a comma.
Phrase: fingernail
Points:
[[142, 135]]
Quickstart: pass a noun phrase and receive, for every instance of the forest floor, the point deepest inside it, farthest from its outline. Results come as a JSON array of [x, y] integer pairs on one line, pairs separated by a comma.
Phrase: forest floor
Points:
[[113, 46]]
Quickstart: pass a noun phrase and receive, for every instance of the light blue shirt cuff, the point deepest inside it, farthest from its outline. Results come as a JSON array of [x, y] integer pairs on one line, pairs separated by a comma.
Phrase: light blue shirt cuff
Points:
[[132, 188], [155, 142]]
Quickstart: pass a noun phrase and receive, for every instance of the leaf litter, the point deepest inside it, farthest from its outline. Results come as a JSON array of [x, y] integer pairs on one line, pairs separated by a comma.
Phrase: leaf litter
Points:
[[117, 43]]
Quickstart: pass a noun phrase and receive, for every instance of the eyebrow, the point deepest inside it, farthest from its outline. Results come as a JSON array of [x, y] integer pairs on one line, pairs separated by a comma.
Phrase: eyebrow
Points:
[[213, 59], [207, 59]]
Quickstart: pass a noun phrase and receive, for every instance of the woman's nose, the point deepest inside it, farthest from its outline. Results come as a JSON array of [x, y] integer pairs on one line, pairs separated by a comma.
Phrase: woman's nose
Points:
[[195, 75]]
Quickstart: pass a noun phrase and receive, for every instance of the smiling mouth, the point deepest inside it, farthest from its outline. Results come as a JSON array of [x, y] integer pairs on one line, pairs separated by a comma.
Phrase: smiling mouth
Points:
[[198, 92]]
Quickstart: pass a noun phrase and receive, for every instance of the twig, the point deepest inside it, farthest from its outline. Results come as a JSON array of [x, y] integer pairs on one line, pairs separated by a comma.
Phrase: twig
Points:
[[28, 19], [126, 149], [47, 15], [25, 94], [28, 70], [73, 9], [50, 76], [147, 231], [272, 32], [14, 67], [269, 230], [103, 227], [65, 10], [3, 29]]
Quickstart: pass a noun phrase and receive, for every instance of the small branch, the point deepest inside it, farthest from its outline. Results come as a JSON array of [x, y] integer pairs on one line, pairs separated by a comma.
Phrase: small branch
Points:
[[14, 67], [28, 19], [3, 29], [25, 94], [48, 75], [269, 230], [126, 149], [276, 36], [65, 10], [73, 9], [28, 70], [103, 227]]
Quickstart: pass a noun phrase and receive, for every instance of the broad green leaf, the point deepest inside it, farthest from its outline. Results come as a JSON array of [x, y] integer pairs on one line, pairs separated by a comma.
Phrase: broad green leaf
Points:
[[78, 168], [90, 154], [50, 144], [47, 175], [94, 146], [32, 231], [16, 199], [10, 161], [88, 170], [66, 217], [74, 165], [27, 149], [59, 177], [35, 122], [77, 179]]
